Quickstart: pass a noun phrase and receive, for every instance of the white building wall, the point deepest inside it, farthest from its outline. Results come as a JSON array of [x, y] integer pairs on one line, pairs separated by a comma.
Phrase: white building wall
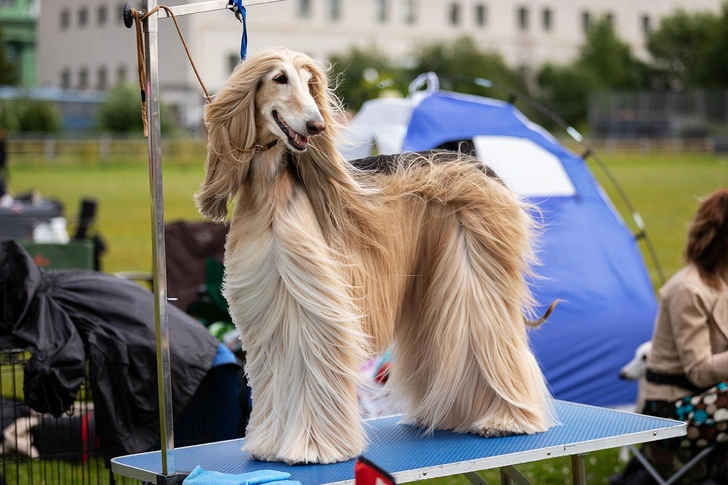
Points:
[[214, 38], [280, 24], [110, 46]]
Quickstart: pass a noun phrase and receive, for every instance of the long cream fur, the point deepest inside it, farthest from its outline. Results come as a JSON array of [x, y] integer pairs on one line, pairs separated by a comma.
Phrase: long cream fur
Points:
[[327, 264]]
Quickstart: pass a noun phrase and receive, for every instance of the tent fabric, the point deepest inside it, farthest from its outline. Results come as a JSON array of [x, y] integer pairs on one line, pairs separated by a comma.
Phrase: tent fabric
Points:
[[381, 124], [589, 258]]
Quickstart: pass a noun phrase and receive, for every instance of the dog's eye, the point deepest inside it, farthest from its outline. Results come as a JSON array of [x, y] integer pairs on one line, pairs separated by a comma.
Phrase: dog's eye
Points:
[[281, 79]]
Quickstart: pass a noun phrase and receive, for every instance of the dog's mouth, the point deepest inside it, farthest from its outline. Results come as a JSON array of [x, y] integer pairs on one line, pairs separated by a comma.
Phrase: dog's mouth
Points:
[[297, 140]]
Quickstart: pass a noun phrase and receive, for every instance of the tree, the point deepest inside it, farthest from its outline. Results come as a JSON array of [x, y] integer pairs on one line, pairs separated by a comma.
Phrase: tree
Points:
[[38, 117], [8, 71], [604, 62], [681, 49], [457, 63], [711, 70], [121, 112], [566, 90], [358, 74], [29, 116], [610, 60]]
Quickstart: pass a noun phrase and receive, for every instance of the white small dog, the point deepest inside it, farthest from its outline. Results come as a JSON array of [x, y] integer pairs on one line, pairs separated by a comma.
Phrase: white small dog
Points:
[[637, 367], [633, 371]]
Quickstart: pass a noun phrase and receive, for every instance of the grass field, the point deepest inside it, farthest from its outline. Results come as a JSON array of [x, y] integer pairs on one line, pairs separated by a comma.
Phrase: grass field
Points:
[[665, 189]]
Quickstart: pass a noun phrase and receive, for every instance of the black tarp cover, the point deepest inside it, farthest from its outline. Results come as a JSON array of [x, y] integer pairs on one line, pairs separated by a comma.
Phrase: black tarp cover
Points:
[[69, 318]]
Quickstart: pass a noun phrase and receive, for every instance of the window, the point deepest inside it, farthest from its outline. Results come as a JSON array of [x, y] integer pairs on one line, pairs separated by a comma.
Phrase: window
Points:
[[101, 15], [334, 9], [82, 17], [121, 75], [65, 19], [454, 13], [66, 79], [233, 60], [585, 21], [646, 25], [410, 11], [523, 18], [610, 18], [481, 15], [83, 78], [548, 19], [382, 11], [101, 79], [304, 8]]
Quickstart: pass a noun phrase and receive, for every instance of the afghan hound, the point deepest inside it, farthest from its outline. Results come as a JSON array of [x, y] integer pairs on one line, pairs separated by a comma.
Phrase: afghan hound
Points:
[[329, 261]]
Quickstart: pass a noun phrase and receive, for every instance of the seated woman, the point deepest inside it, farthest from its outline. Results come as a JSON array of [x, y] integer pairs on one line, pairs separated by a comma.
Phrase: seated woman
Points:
[[687, 376]]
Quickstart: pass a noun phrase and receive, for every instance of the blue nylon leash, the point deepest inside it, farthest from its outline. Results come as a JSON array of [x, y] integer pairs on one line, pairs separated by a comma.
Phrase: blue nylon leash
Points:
[[237, 7]]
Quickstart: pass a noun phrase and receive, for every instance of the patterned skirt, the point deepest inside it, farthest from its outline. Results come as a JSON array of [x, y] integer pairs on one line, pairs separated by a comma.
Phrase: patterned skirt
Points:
[[706, 415]]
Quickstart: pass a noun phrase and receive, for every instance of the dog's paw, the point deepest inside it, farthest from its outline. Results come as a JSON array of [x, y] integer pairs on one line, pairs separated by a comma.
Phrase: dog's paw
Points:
[[314, 457], [494, 428], [303, 454], [495, 433]]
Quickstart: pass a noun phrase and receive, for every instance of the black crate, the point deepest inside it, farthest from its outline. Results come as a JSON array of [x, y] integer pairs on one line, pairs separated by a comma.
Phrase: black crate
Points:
[[38, 449]]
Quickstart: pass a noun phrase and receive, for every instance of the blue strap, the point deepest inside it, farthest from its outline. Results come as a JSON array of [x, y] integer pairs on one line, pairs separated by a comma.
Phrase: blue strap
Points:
[[241, 14]]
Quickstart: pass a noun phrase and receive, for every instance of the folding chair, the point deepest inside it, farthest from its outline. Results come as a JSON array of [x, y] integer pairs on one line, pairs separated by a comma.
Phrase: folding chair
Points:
[[656, 475]]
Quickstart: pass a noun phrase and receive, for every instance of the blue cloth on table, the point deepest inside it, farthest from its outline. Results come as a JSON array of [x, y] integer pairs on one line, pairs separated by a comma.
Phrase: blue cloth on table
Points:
[[207, 477]]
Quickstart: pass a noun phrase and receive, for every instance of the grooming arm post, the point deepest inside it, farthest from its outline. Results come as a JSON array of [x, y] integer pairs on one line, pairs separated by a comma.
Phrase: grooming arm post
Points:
[[209, 6], [152, 92], [164, 378]]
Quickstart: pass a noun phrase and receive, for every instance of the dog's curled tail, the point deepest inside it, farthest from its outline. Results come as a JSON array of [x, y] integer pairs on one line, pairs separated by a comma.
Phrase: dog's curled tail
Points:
[[544, 317]]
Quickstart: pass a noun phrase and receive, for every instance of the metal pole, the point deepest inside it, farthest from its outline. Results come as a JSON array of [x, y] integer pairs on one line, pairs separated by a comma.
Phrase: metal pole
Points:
[[578, 469], [475, 479], [164, 377], [209, 6]]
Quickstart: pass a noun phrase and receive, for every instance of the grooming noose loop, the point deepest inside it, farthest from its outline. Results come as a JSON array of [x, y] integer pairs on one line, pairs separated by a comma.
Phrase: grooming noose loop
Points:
[[133, 16]]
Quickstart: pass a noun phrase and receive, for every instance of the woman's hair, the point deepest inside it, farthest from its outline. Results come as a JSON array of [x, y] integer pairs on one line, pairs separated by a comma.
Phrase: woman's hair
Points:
[[707, 246]]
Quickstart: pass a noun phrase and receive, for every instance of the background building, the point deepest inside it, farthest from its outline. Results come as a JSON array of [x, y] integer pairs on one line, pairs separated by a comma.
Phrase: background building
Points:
[[17, 22], [83, 44]]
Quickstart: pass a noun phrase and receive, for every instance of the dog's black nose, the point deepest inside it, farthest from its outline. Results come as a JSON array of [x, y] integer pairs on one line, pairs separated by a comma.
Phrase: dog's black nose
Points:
[[315, 127]]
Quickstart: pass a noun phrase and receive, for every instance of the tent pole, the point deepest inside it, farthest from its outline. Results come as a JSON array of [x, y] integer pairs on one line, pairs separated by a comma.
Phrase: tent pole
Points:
[[164, 377]]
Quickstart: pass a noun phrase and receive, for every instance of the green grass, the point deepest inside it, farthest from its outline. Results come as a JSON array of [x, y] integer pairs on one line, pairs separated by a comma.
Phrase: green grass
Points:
[[664, 189], [124, 213]]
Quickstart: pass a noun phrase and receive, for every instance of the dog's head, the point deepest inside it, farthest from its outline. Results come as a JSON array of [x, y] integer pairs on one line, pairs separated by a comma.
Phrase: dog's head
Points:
[[637, 367], [285, 105], [277, 98]]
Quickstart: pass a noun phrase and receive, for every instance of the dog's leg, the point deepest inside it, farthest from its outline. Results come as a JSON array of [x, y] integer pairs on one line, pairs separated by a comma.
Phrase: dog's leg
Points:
[[300, 329], [463, 361]]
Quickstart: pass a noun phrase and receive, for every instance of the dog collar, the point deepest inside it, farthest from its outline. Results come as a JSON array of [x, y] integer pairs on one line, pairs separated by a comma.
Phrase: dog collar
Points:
[[257, 148]]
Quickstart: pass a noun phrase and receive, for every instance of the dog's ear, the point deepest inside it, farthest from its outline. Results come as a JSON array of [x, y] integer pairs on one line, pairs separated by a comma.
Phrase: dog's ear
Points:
[[230, 122]]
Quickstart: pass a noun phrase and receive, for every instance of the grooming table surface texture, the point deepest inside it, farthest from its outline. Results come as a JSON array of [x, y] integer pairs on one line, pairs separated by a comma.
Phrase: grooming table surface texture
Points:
[[409, 454]]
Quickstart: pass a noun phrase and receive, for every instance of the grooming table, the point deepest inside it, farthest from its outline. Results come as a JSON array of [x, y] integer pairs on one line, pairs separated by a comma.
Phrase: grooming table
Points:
[[409, 454]]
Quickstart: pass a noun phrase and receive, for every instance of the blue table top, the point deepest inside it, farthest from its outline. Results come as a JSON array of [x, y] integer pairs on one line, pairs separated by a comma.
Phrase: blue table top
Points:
[[409, 454]]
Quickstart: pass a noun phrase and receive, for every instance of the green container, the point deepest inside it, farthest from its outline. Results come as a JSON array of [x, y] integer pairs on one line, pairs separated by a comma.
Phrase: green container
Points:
[[74, 255]]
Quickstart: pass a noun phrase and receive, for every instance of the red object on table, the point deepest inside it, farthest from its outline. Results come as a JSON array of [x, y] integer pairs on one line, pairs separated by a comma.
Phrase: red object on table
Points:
[[367, 473]]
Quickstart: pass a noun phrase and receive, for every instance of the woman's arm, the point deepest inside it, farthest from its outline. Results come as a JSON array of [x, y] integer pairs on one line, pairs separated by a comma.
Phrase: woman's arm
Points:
[[689, 320]]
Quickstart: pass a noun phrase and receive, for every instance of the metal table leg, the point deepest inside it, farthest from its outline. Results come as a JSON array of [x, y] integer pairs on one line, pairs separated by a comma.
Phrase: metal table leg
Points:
[[578, 469]]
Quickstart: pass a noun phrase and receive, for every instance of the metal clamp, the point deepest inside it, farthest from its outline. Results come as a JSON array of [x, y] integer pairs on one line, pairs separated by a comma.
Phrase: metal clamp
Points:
[[233, 7]]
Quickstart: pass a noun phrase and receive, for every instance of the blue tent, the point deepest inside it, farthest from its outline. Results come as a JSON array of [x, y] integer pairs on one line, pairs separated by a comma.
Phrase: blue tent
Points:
[[589, 257]]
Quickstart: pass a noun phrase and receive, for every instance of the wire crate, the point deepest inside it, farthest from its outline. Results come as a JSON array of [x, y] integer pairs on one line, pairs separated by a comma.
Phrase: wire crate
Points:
[[38, 449]]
